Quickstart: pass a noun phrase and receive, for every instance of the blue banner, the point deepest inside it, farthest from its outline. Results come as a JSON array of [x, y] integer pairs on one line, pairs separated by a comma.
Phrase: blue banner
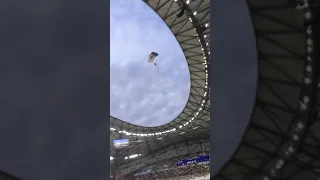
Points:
[[200, 159]]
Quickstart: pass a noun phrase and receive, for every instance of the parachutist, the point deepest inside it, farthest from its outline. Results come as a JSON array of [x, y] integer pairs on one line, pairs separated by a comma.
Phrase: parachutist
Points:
[[152, 57]]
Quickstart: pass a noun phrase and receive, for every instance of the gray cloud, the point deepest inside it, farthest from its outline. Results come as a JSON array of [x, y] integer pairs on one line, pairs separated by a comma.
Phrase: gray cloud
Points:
[[141, 93]]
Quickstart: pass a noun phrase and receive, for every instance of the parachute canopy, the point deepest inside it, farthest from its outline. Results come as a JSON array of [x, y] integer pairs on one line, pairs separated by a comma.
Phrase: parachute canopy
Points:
[[152, 57]]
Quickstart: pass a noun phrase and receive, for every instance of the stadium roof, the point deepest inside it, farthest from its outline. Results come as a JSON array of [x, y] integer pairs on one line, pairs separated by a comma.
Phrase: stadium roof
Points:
[[192, 31], [284, 104]]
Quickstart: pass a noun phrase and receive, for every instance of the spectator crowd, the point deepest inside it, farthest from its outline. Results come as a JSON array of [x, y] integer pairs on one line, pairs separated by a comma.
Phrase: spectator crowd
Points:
[[167, 170]]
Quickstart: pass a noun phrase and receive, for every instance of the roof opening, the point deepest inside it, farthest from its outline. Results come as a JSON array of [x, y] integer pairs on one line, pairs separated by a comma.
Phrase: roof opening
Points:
[[144, 93]]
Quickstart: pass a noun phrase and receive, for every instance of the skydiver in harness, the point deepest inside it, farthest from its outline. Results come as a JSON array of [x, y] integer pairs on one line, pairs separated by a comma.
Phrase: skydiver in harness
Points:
[[152, 57]]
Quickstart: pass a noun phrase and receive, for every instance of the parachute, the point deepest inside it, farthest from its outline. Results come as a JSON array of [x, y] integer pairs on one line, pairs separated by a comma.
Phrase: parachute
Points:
[[152, 57]]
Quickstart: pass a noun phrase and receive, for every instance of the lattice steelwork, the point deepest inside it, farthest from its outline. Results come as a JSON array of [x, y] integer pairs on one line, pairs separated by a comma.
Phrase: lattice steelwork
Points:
[[275, 144], [192, 31]]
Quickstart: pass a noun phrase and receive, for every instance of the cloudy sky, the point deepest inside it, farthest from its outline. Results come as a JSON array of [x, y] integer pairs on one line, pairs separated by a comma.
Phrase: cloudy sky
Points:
[[141, 93]]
